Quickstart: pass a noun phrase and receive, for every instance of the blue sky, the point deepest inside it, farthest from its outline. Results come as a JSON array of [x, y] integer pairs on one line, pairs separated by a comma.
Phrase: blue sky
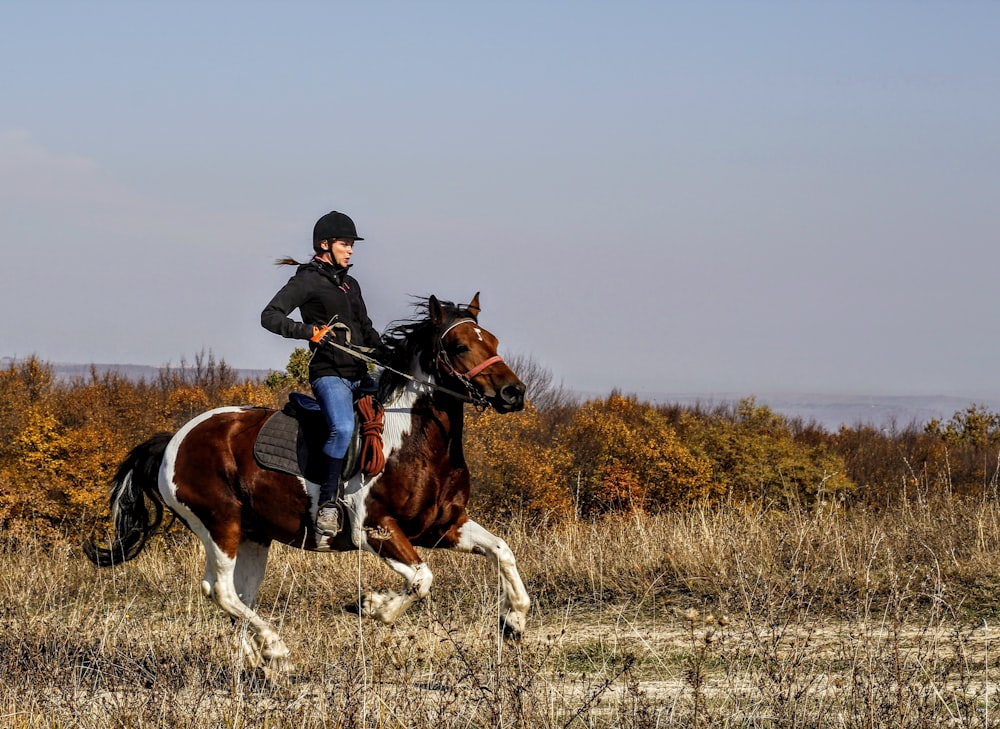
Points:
[[653, 196]]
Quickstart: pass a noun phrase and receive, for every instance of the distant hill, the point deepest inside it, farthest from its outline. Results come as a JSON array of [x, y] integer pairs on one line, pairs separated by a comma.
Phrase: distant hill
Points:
[[828, 411], [68, 371], [833, 411], [137, 372]]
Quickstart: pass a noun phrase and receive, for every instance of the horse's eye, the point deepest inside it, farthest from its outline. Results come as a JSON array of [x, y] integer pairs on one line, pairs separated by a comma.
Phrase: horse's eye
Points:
[[459, 349]]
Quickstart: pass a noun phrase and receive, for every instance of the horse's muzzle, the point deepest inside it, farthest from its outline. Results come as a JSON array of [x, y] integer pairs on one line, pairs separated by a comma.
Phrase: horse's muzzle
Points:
[[511, 398]]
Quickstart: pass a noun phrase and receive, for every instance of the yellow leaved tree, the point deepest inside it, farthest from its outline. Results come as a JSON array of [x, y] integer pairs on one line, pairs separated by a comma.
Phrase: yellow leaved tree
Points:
[[758, 458], [626, 456], [514, 470]]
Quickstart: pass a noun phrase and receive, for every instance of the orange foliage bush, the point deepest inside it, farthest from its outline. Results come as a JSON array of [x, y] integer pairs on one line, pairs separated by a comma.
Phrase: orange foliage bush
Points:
[[250, 393], [60, 443], [757, 457], [514, 472], [626, 456]]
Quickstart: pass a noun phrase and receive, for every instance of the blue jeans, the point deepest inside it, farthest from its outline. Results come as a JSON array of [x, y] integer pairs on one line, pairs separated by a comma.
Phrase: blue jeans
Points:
[[336, 399]]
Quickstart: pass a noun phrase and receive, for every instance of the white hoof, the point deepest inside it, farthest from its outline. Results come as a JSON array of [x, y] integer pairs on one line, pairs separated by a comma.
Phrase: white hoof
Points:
[[513, 625]]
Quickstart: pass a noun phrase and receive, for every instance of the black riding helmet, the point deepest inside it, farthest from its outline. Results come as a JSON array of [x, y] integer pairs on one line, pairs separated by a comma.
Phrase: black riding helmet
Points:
[[332, 226]]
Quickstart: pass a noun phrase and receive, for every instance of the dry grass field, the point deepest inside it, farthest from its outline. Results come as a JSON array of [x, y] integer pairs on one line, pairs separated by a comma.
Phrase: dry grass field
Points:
[[715, 618]]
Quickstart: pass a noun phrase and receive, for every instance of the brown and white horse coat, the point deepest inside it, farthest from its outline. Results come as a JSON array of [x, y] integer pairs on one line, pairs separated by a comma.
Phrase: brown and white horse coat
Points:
[[207, 475]]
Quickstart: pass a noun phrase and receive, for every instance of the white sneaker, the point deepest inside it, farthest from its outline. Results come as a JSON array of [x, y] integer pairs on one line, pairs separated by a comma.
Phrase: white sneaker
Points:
[[328, 519]]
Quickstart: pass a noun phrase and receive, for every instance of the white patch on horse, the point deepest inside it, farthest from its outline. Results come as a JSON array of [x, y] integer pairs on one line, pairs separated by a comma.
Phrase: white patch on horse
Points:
[[397, 422], [167, 484], [378, 532], [388, 605], [225, 577]]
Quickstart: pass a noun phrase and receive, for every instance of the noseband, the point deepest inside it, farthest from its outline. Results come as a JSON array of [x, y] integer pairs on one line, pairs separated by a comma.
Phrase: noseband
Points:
[[447, 367]]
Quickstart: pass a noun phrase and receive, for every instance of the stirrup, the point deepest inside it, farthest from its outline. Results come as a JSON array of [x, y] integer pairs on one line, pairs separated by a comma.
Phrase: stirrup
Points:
[[329, 519]]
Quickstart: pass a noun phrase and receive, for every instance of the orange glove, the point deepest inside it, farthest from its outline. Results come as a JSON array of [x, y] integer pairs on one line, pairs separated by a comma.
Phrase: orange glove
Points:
[[319, 333]]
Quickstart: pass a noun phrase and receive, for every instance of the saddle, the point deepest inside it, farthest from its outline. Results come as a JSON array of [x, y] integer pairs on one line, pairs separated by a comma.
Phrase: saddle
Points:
[[291, 439]]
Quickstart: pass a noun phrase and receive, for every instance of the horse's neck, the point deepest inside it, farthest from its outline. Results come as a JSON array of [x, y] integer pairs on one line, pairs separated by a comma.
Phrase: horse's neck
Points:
[[418, 411]]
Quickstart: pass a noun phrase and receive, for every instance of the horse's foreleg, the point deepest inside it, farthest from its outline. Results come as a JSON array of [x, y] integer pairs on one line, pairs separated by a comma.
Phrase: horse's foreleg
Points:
[[514, 604], [388, 542]]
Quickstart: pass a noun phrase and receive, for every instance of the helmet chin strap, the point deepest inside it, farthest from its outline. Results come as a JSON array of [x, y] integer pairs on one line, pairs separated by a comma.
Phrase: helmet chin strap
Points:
[[325, 254]]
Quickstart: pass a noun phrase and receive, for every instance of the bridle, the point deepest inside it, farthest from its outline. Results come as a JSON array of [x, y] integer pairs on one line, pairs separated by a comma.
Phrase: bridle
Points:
[[446, 366], [442, 360]]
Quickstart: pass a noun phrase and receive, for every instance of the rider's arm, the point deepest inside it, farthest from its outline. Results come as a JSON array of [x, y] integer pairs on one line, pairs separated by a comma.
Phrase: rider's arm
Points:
[[275, 317]]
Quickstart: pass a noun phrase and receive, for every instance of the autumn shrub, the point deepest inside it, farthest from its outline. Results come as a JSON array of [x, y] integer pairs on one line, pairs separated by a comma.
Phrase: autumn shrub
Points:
[[757, 458], [295, 378], [204, 373], [516, 470], [960, 456], [251, 393], [32, 452], [22, 385], [131, 409], [889, 468], [625, 456], [972, 441], [61, 440], [60, 462]]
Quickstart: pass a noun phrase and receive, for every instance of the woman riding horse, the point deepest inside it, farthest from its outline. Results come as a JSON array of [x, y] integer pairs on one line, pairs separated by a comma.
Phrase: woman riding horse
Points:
[[325, 294], [207, 474]]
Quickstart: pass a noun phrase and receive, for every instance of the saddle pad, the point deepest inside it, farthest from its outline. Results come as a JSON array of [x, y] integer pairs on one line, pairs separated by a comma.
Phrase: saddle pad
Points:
[[291, 441], [281, 446]]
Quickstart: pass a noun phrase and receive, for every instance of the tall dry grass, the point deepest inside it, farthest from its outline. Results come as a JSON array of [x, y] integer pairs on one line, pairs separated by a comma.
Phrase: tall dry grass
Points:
[[706, 618]]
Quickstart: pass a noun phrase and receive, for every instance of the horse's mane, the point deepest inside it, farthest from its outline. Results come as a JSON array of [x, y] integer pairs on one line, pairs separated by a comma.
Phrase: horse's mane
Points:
[[405, 339]]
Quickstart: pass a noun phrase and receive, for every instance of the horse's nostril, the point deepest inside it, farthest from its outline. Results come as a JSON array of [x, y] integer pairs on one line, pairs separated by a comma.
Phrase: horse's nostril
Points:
[[513, 393]]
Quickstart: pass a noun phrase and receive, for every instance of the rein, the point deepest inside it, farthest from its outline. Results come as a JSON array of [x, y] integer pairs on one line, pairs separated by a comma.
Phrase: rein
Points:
[[472, 396]]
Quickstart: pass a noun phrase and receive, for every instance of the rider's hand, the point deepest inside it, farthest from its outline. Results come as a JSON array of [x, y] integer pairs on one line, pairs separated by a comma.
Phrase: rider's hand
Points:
[[319, 333]]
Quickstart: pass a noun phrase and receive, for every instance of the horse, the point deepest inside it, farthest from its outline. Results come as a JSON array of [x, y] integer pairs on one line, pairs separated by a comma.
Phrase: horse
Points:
[[207, 475]]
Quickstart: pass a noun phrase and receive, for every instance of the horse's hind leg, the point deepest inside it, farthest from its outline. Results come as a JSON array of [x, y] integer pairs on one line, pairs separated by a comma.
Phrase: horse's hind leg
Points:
[[231, 578], [251, 563], [514, 604]]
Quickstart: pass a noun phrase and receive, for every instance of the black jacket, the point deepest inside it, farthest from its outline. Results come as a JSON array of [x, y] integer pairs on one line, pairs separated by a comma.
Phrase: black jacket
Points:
[[319, 291]]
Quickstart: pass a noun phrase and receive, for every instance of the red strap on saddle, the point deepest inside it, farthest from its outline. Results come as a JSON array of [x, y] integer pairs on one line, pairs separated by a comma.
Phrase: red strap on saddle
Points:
[[372, 455]]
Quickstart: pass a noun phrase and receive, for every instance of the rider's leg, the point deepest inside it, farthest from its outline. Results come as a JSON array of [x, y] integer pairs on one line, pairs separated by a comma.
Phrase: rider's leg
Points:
[[336, 399]]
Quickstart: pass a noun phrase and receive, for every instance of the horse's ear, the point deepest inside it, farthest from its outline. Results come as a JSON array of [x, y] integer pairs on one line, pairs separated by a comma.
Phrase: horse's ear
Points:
[[435, 310], [474, 305]]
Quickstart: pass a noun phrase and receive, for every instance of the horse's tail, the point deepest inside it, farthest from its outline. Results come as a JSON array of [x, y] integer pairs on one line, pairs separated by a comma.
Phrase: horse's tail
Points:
[[136, 479]]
